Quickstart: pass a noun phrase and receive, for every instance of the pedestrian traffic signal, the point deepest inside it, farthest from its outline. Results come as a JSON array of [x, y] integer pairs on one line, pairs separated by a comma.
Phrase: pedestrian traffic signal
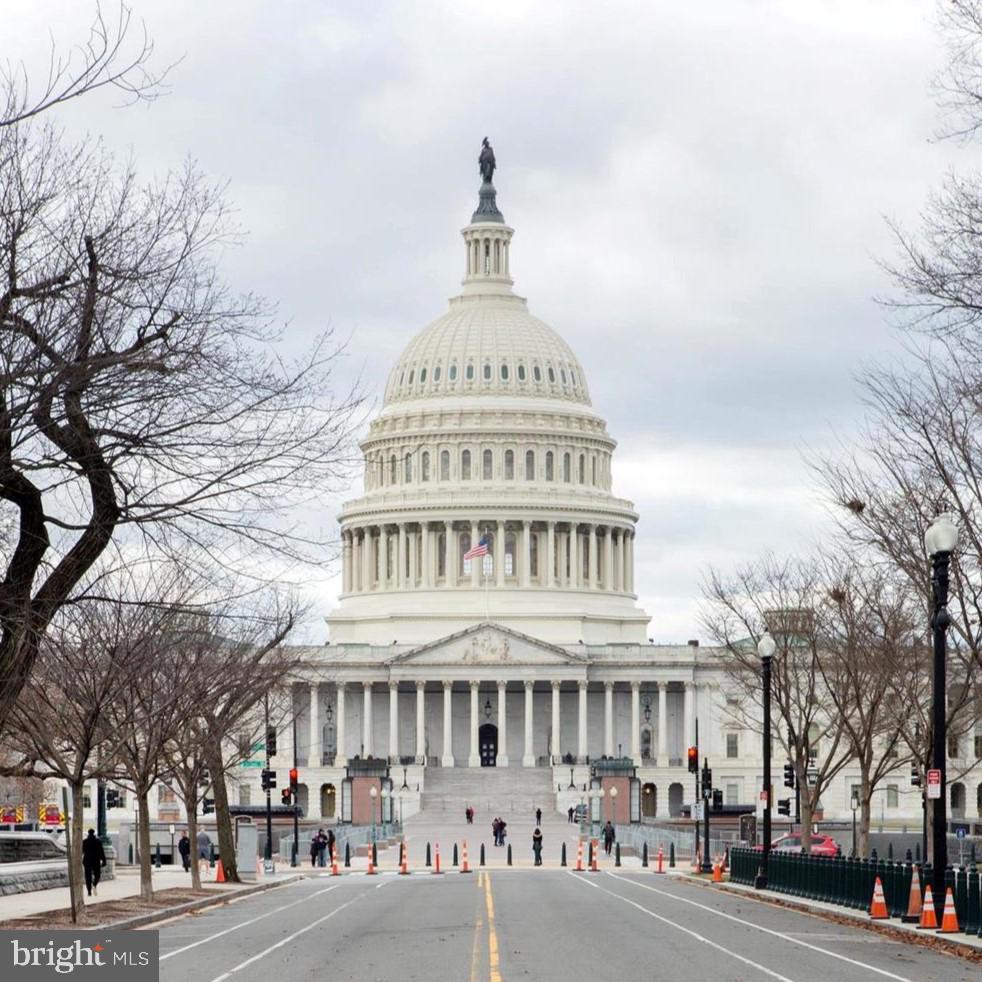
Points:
[[784, 806], [269, 780], [789, 775], [285, 796], [270, 741], [112, 798], [294, 779], [207, 806], [717, 800], [707, 781], [915, 777], [693, 760]]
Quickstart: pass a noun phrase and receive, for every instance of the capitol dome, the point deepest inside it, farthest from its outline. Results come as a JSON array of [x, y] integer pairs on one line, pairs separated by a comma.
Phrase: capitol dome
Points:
[[487, 440]]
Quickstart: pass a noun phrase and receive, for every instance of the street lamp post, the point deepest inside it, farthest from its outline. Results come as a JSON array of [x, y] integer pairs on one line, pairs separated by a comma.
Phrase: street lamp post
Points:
[[613, 805], [766, 648], [373, 792], [940, 541], [854, 801], [381, 809]]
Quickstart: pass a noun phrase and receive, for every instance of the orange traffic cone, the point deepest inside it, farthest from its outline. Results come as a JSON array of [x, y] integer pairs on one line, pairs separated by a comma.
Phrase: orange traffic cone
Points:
[[717, 872], [914, 902], [371, 866], [464, 865], [404, 867], [878, 907], [219, 872], [436, 857], [661, 861], [579, 857], [949, 919], [929, 919], [334, 861], [596, 849]]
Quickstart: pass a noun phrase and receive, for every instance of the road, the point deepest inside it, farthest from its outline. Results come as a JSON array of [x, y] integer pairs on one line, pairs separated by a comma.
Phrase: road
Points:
[[536, 924]]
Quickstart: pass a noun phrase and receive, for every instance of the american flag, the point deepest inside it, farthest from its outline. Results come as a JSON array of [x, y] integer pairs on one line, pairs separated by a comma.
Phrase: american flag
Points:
[[481, 549]]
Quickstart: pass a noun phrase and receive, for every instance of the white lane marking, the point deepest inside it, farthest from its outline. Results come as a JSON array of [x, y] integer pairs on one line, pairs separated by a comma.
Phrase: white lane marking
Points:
[[287, 940], [235, 927], [766, 930], [685, 930]]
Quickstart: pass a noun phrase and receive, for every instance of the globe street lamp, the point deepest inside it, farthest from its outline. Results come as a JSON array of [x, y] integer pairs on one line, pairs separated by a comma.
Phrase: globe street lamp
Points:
[[373, 791], [613, 802], [766, 648], [381, 810], [940, 541]]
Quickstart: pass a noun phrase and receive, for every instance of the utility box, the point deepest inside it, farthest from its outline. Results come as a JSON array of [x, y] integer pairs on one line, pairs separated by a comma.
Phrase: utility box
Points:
[[246, 848]]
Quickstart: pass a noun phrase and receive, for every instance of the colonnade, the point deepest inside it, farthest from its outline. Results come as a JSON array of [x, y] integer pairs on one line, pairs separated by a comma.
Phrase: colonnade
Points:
[[552, 554]]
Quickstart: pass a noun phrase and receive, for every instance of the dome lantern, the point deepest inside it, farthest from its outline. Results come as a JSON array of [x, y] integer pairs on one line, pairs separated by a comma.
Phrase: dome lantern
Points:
[[487, 238]]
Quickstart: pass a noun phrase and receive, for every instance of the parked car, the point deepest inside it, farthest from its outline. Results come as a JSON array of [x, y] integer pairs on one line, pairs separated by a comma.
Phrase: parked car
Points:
[[821, 845]]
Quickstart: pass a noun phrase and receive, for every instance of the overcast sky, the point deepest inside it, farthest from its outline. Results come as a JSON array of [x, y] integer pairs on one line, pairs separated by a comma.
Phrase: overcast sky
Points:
[[698, 193]]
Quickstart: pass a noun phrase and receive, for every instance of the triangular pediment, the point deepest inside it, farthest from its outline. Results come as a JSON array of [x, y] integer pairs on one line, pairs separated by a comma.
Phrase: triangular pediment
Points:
[[488, 644]]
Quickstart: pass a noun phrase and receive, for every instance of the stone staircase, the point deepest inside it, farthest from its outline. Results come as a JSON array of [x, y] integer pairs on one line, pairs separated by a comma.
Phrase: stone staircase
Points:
[[504, 791]]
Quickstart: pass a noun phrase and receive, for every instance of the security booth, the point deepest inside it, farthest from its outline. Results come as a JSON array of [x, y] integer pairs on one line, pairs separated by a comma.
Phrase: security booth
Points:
[[615, 791], [367, 792]]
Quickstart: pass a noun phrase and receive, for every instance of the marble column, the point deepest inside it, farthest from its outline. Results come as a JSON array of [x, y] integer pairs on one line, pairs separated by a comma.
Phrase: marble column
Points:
[[608, 581], [450, 555], [662, 756], [340, 760], [427, 559], [355, 563], [477, 563], [528, 760], [400, 577], [393, 722], [383, 557], [550, 554], [556, 751], [581, 750], [314, 755], [366, 721], [636, 723], [474, 760], [575, 570], [562, 539], [499, 555], [618, 565], [629, 565], [420, 723], [593, 567], [526, 553], [447, 759], [608, 719], [366, 560], [346, 562], [502, 759], [413, 559]]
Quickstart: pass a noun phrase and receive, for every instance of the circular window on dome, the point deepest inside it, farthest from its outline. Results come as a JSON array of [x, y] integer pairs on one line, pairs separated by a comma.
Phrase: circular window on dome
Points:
[[487, 371], [453, 373], [436, 373], [537, 373], [521, 373], [504, 373], [552, 374], [422, 376], [469, 373]]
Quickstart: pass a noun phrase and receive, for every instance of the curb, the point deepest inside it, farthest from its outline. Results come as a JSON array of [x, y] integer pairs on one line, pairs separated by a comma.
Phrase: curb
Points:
[[166, 913], [954, 946]]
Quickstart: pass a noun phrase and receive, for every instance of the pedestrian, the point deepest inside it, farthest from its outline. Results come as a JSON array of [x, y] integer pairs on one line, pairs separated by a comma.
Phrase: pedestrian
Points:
[[538, 816], [570, 813], [608, 838], [495, 832], [537, 846], [315, 847], [184, 848], [93, 859], [330, 845], [204, 851], [502, 825], [321, 846]]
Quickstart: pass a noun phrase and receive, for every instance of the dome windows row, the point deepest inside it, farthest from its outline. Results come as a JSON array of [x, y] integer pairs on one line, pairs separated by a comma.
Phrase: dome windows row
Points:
[[551, 466], [426, 378]]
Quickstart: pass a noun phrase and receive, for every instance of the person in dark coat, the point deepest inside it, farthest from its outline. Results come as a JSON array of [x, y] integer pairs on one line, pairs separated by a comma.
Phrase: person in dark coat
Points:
[[329, 845], [315, 848], [608, 838], [93, 859], [184, 848], [204, 850], [537, 846], [570, 813], [538, 816]]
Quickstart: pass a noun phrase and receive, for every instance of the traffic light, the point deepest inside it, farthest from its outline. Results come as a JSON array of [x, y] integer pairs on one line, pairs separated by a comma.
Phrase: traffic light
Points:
[[717, 800], [112, 798], [915, 777], [294, 779], [693, 760], [784, 806], [789, 775], [207, 806], [707, 781], [269, 780], [205, 778], [270, 741], [285, 796]]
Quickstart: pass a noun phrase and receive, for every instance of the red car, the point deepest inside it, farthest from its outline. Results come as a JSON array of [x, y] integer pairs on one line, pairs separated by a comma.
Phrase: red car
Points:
[[822, 845]]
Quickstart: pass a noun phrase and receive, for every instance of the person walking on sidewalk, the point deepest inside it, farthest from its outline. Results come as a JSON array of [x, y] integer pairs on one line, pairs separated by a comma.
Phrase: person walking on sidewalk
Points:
[[570, 814], [204, 851], [93, 859], [538, 816], [608, 838], [537, 846], [184, 848]]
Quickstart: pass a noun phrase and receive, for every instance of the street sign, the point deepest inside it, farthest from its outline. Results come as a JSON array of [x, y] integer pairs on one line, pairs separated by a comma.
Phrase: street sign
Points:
[[697, 811], [253, 763], [934, 783]]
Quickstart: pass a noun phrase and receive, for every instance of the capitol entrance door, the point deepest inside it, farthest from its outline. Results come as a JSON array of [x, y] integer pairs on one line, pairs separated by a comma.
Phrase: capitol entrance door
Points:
[[488, 738]]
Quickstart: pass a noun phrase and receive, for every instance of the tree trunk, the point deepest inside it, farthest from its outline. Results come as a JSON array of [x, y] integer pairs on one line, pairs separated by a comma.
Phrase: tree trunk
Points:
[[226, 839], [865, 814], [75, 879], [189, 793], [806, 821], [143, 838]]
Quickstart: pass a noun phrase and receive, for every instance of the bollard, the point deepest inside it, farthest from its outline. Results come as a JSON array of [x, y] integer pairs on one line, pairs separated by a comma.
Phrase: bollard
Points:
[[436, 858], [374, 855], [671, 855], [617, 854], [589, 854], [347, 853], [917, 852], [644, 856], [156, 860], [890, 850], [509, 854], [482, 853], [595, 852], [908, 858], [562, 855], [455, 854], [428, 863]]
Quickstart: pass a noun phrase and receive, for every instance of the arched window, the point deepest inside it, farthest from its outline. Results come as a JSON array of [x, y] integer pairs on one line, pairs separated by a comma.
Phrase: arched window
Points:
[[412, 372], [509, 465], [422, 375], [509, 554], [567, 477], [521, 373], [593, 462], [392, 469], [552, 375], [444, 465], [529, 465], [487, 371], [504, 372], [562, 374], [453, 373], [582, 469], [537, 373], [550, 471], [463, 547], [487, 562], [533, 554], [441, 554], [487, 465], [408, 469], [465, 465], [572, 375], [437, 372], [469, 373], [424, 466], [402, 376]]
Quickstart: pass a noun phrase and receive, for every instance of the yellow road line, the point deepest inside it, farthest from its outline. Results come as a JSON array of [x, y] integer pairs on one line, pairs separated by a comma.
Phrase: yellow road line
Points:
[[493, 974]]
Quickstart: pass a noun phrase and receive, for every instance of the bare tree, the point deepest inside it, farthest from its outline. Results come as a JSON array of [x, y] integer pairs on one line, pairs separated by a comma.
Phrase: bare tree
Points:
[[140, 399]]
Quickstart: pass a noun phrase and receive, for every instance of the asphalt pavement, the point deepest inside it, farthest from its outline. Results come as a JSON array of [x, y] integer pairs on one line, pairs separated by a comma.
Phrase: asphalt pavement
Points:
[[539, 924]]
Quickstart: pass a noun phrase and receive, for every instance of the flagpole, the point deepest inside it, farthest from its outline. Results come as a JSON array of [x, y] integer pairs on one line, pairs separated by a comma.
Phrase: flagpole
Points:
[[487, 608]]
